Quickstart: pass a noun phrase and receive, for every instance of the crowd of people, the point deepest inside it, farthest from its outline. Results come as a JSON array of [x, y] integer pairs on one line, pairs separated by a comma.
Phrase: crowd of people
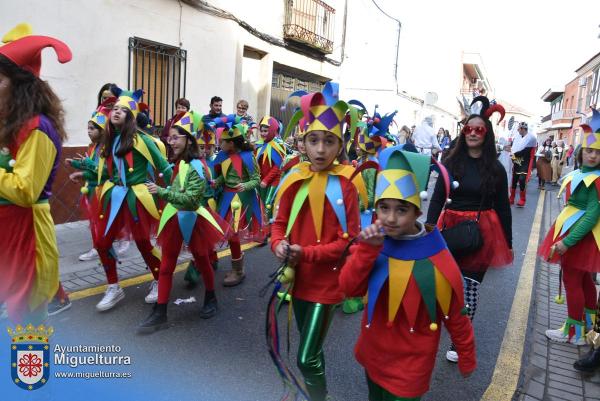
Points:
[[338, 203]]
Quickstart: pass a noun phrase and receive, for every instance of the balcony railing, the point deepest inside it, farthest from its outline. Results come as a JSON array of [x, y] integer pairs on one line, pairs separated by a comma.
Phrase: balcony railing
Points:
[[310, 22], [565, 113]]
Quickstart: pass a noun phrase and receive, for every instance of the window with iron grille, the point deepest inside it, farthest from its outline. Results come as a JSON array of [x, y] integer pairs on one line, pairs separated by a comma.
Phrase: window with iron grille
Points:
[[160, 70], [310, 22]]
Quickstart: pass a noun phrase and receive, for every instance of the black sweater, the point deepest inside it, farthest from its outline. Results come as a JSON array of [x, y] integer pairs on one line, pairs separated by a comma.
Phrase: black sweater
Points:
[[468, 196]]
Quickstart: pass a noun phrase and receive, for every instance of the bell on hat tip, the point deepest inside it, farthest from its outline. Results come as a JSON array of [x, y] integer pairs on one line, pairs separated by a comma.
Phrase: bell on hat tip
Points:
[[84, 190], [423, 195], [339, 202], [448, 201], [367, 211], [160, 175], [433, 326], [345, 236], [12, 162], [412, 330], [455, 184], [446, 317], [269, 206], [101, 216], [131, 169], [159, 211]]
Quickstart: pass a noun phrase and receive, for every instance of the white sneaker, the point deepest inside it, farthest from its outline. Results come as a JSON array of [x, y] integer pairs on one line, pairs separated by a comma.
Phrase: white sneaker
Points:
[[89, 255], [121, 247], [559, 336], [152, 296], [451, 354], [112, 296]]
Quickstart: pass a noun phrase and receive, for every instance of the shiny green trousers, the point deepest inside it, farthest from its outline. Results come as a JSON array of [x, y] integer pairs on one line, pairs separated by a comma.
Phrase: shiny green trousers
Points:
[[378, 393], [313, 321]]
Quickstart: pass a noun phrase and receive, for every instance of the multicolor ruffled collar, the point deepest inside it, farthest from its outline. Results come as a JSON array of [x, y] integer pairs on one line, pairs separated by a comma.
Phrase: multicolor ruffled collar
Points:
[[316, 187], [273, 151]]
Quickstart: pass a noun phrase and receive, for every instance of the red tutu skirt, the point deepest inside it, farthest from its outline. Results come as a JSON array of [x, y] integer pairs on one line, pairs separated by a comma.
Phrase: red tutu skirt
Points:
[[204, 235], [125, 224], [17, 254], [494, 252], [584, 255]]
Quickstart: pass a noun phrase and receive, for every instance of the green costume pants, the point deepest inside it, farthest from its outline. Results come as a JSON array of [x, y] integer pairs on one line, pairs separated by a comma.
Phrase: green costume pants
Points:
[[313, 321], [378, 393]]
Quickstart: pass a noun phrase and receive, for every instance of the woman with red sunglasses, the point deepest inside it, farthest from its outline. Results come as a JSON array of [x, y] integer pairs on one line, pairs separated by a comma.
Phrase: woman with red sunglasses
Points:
[[481, 195]]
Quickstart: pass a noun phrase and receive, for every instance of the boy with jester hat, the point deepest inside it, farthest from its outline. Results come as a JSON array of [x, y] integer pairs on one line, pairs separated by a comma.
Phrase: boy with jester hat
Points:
[[316, 217], [238, 175], [270, 152], [184, 219], [413, 284], [206, 139], [371, 139], [574, 238], [129, 158]]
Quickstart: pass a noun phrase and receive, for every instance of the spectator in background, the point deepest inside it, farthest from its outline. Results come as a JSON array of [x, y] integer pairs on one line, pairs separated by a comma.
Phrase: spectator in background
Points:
[[404, 135], [424, 138], [105, 92], [216, 109], [570, 154], [241, 110], [182, 105]]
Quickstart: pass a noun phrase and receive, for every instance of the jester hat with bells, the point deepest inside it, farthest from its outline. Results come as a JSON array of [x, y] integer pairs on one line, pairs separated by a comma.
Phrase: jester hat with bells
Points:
[[273, 125], [230, 126], [206, 134], [420, 270], [485, 109], [188, 122], [373, 133], [128, 99], [102, 114], [25, 49], [591, 132], [323, 111]]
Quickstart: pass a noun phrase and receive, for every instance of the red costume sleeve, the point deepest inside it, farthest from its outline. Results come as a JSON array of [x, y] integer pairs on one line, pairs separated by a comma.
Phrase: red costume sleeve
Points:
[[354, 277], [274, 173]]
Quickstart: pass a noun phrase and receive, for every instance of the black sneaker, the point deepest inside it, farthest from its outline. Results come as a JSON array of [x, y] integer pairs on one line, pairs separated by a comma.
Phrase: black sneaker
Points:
[[210, 307], [57, 306], [589, 362], [156, 321]]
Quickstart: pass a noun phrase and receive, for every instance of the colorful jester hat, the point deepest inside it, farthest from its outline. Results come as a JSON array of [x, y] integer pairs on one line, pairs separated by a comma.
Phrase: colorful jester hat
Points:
[[274, 127], [374, 131], [230, 126], [322, 111], [25, 49], [206, 134], [101, 115], [129, 100], [591, 132], [404, 175], [188, 122]]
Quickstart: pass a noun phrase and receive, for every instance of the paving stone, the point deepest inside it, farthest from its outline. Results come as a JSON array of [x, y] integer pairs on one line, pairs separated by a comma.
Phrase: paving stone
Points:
[[535, 389], [529, 398], [578, 389], [565, 372], [564, 394], [564, 379], [538, 361], [540, 349], [592, 389]]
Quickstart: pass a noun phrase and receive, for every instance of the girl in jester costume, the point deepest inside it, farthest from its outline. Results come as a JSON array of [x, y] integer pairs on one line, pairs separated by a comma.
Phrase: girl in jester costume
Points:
[[184, 219], [270, 152], [128, 160], [371, 139], [238, 175], [574, 238], [413, 284], [316, 216], [31, 136], [206, 139]]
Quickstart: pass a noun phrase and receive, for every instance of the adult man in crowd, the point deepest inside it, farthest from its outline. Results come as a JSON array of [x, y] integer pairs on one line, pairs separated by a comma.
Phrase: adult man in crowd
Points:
[[523, 150], [424, 138]]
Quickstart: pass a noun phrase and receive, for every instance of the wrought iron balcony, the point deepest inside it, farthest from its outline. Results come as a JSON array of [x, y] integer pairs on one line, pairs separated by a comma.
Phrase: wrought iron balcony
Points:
[[310, 22]]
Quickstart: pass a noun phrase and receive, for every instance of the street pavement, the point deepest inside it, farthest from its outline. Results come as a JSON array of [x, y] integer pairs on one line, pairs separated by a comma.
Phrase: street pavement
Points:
[[225, 357]]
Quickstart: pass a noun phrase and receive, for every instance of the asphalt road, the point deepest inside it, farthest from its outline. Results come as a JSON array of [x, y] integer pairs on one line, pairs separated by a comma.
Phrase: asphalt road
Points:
[[225, 358]]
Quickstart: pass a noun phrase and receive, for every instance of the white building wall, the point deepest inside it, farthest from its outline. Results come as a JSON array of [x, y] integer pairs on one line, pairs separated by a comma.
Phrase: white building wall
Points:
[[97, 32]]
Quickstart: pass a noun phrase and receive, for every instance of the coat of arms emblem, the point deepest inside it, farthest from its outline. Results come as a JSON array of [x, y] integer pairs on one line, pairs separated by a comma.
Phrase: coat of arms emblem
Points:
[[30, 355]]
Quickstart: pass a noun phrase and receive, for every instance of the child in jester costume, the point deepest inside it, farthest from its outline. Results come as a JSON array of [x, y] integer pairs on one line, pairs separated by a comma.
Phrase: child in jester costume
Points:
[[128, 159], [371, 139], [270, 152], [316, 217], [206, 139], [31, 136], [413, 284], [238, 175], [574, 239], [184, 220]]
